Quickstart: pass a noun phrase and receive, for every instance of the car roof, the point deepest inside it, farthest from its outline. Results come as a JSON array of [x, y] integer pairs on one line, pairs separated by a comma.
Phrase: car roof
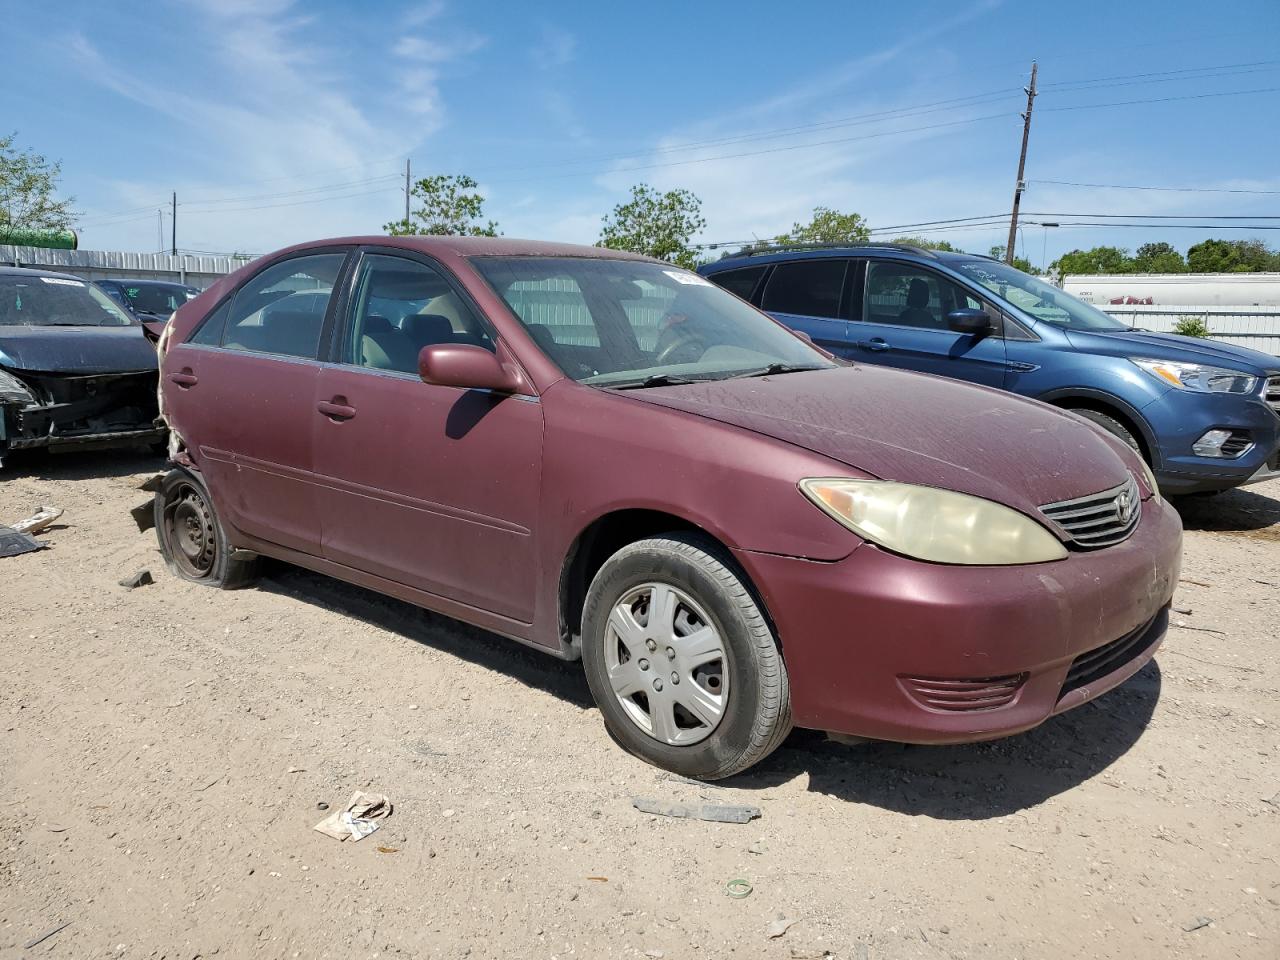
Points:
[[29, 272], [143, 282], [818, 252], [451, 247]]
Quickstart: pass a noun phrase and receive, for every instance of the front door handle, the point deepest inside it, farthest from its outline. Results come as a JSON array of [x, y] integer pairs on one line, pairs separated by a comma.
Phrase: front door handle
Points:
[[336, 409], [184, 378], [875, 344]]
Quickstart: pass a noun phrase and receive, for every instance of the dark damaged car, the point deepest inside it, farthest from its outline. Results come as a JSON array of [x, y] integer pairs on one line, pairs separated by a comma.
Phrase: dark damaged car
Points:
[[75, 369]]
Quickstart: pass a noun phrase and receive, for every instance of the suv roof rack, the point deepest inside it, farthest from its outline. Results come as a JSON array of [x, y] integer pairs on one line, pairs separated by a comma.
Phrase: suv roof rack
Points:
[[763, 248]]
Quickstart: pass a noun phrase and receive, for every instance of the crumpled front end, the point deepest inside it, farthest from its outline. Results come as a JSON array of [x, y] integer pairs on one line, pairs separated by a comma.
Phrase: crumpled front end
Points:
[[49, 409]]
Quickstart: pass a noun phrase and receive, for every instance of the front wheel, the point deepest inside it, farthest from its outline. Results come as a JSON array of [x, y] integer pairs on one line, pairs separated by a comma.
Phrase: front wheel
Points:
[[192, 539], [681, 660]]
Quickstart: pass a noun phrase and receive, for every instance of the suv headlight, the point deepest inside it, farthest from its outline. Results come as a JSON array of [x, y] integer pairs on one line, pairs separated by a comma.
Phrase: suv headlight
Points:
[[1197, 377], [931, 524]]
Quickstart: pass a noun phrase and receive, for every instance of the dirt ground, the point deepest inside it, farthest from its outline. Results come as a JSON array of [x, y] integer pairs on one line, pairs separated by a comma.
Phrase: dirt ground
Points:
[[164, 751]]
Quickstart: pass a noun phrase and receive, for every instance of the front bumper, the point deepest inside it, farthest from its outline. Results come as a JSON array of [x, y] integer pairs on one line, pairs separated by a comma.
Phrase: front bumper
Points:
[[1179, 418], [881, 646], [84, 411]]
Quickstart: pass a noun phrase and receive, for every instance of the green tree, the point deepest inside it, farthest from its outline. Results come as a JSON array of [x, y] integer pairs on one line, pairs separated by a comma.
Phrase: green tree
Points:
[[1019, 263], [656, 224], [925, 244], [829, 226], [1158, 258], [447, 206], [1095, 260], [28, 184], [1232, 256]]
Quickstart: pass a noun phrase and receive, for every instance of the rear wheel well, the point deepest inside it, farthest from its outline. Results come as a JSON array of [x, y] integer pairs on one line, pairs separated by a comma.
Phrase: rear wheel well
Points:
[[605, 537], [1101, 406]]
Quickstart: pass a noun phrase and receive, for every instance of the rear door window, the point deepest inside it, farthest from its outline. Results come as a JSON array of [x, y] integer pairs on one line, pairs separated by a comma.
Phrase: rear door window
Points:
[[742, 282], [806, 288], [281, 311]]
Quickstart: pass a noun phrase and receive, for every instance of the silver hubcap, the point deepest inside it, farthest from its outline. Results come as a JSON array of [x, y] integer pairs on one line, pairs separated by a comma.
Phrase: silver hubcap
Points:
[[667, 664]]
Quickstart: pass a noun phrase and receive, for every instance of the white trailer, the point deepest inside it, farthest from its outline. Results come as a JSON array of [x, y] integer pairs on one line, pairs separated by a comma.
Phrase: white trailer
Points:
[[1159, 289]]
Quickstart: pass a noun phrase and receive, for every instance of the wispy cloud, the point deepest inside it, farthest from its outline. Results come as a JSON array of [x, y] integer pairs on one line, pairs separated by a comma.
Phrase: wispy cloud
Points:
[[555, 47], [264, 107]]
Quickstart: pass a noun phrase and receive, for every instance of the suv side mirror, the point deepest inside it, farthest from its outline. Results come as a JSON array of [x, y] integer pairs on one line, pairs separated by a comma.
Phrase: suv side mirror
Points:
[[968, 320], [467, 366]]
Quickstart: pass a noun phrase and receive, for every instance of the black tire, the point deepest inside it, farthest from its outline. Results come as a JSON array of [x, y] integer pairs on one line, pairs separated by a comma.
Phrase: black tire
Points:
[[1111, 425], [757, 711], [192, 539]]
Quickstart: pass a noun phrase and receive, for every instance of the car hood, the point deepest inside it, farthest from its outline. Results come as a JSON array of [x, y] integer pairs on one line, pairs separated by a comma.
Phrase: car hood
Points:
[[81, 350], [916, 428], [1171, 346]]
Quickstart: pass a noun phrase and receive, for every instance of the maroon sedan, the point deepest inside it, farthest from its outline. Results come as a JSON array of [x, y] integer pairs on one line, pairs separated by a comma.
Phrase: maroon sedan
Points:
[[607, 457]]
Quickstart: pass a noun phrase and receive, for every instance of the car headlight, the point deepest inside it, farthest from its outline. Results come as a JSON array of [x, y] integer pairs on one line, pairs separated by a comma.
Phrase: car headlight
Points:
[[14, 390], [1197, 377], [931, 524]]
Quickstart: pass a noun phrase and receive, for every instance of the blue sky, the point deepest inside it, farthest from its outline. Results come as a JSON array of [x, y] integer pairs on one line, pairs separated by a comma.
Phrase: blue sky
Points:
[[280, 121]]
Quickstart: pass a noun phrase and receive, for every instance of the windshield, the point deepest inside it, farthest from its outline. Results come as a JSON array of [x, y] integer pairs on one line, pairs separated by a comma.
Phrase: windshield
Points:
[[1041, 300], [57, 302], [624, 322], [161, 298]]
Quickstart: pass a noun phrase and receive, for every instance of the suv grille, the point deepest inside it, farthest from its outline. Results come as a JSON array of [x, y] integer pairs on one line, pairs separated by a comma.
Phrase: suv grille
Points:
[[1272, 392], [1100, 519]]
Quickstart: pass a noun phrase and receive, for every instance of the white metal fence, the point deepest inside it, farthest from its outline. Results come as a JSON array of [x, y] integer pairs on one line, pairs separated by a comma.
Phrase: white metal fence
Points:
[[1257, 328], [199, 271]]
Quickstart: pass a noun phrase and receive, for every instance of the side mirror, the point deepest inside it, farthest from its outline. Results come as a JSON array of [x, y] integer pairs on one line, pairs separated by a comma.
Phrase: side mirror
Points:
[[467, 366], [803, 336], [967, 320]]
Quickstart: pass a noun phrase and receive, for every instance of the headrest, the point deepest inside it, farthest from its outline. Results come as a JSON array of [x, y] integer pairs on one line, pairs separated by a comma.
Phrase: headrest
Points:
[[918, 293]]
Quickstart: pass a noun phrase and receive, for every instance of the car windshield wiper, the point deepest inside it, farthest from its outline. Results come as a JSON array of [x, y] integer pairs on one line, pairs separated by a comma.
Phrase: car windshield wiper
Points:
[[657, 380], [776, 368]]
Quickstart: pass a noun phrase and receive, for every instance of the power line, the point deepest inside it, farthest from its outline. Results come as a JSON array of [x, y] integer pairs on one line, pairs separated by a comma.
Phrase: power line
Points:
[[1190, 96], [756, 153], [1130, 186], [1162, 73], [297, 203], [1164, 216]]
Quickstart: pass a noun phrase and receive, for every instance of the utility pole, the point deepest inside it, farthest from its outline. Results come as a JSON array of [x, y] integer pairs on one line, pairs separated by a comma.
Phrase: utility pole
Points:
[[173, 246], [406, 193], [1022, 164]]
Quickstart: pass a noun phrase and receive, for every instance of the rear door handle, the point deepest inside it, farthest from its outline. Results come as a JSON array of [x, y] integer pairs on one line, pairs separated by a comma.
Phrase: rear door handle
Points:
[[875, 344], [335, 409], [184, 378]]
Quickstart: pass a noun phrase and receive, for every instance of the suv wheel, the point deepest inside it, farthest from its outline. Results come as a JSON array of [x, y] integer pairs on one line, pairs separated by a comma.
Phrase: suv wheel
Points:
[[681, 661], [192, 540], [1109, 424]]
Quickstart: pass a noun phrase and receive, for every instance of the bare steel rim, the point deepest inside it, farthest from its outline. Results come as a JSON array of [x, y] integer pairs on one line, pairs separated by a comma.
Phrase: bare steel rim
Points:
[[667, 664], [189, 530]]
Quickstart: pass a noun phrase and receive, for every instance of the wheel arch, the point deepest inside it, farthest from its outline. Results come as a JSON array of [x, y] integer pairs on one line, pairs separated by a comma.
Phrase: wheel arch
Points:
[[1082, 398], [605, 536]]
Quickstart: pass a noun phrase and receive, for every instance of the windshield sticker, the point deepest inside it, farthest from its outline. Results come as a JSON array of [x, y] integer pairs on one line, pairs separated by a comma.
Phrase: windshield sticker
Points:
[[62, 282], [692, 279]]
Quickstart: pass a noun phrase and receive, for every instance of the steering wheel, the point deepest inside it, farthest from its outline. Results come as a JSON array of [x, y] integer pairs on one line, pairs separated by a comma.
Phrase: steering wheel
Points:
[[678, 343]]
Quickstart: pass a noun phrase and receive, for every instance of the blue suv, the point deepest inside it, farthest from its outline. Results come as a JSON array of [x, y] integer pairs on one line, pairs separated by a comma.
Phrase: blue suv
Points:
[[1205, 415]]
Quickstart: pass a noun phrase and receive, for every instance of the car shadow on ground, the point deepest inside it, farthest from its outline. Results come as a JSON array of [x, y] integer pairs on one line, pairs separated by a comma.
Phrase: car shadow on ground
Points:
[[79, 464], [972, 781], [969, 782], [530, 667], [1235, 511]]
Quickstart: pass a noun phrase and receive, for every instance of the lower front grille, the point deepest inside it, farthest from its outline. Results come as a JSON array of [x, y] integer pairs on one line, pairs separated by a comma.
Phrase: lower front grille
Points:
[[1095, 664], [958, 696]]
